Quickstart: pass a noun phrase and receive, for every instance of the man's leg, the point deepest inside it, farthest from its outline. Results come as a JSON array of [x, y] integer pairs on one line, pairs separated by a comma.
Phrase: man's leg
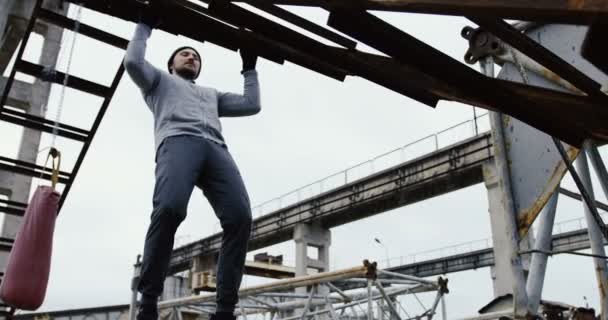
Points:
[[178, 164], [224, 188]]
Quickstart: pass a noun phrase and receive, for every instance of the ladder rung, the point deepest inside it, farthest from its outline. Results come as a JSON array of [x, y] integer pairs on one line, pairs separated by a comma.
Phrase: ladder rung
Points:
[[12, 207], [74, 82], [42, 124], [30, 169], [12, 211], [6, 244], [13, 203], [67, 23], [7, 240]]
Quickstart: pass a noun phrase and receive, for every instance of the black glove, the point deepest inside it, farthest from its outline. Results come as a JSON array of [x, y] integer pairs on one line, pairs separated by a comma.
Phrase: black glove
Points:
[[249, 59], [149, 17], [151, 14]]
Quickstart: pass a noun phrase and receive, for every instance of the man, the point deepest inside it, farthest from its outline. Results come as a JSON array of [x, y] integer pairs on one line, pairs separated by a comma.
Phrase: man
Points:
[[190, 151]]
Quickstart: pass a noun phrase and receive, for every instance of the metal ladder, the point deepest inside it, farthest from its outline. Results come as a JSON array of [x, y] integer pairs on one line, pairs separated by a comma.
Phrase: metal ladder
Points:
[[40, 123]]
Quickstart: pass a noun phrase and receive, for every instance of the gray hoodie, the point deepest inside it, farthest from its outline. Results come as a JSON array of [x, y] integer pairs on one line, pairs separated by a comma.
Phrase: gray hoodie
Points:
[[181, 107]]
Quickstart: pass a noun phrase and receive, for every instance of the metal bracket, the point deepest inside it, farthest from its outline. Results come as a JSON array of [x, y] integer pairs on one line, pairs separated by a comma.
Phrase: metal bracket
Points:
[[481, 44]]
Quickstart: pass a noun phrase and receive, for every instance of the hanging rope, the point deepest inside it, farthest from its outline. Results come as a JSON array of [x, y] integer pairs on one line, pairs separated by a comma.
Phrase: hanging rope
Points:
[[48, 74], [67, 73]]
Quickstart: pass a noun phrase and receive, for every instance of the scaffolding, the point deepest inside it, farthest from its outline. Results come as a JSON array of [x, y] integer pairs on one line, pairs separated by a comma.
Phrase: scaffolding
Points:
[[563, 100], [372, 294]]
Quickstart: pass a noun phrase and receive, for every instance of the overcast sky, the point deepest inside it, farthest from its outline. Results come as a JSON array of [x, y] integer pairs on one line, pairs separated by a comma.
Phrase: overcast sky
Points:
[[310, 127]]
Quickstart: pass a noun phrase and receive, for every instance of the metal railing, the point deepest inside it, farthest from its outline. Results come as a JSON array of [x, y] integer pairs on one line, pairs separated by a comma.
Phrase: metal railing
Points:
[[431, 143], [475, 245]]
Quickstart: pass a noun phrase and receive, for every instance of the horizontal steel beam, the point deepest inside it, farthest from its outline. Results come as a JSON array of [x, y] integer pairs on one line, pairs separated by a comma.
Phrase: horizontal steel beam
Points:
[[261, 269], [6, 244], [567, 241], [73, 82], [67, 23], [20, 93], [440, 172], [277, 43], [30, 169], [42, 124], [12, 207], [558, 11], [303, 23], [367, 270], [533, 105], [103, 313]]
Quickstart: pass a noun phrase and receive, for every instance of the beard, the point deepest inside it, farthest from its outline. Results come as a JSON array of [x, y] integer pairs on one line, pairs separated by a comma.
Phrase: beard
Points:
[[186, 73]]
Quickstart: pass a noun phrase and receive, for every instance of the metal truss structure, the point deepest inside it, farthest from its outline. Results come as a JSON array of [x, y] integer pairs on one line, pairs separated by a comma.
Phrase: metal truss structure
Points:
[[542, 99]]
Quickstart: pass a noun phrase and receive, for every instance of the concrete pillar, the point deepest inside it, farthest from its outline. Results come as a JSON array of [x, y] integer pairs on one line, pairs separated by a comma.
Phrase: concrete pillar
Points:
[[20, 185], [203, 273], [5, 6], [305, 236], [315, 236]]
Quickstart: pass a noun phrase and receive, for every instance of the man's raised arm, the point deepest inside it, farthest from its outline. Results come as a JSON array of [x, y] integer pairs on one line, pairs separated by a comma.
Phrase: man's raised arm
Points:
[[141, 71], [236, 105]]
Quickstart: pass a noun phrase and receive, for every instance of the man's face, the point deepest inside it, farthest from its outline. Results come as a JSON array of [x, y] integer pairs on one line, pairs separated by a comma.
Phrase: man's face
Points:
[[186, 63]]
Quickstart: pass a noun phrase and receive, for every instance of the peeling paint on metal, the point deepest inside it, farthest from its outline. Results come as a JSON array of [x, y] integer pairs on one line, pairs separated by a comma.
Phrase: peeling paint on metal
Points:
[[551, 76], [599, 272], [526, 217]]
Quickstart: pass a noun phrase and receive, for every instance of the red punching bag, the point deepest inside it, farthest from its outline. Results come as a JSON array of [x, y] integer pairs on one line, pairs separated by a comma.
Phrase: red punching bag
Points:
[[27, 273]]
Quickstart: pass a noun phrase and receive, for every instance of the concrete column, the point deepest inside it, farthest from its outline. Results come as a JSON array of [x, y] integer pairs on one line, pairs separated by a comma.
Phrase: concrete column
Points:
[[306, 236], [5, 6], [595, 236], [203, 273], [20, 185]]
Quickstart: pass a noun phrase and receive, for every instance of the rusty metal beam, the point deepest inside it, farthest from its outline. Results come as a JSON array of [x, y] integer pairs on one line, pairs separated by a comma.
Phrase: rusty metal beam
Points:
[[376, 69], [540, 54], [392, 75], [192, 21], [303, 23], [541, 108], [594, 47], [559, 11], [242, 18], [569, 117]]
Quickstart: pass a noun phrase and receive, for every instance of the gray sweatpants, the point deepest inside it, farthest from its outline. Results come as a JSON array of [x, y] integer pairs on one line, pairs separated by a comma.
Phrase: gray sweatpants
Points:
[[183, 162]]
